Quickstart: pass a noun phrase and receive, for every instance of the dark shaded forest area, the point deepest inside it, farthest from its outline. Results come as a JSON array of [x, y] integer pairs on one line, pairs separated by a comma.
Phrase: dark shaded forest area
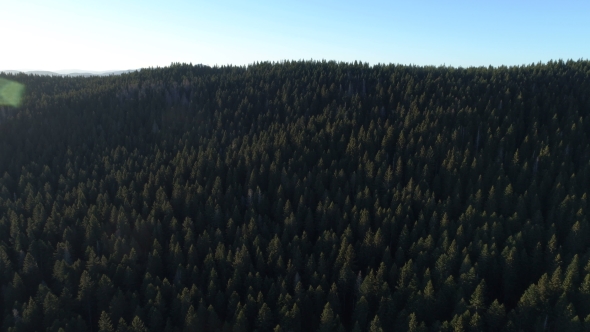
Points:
[[298, 196]]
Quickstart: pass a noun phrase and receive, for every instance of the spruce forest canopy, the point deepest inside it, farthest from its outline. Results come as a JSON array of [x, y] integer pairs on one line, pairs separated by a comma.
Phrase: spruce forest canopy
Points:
[[298, 196]]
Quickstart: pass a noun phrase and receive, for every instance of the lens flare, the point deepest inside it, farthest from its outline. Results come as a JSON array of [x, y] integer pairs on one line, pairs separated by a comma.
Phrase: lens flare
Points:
[[11, 92]]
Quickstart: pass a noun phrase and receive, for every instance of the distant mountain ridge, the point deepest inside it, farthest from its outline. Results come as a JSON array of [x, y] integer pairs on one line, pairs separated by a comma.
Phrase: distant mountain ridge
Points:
[[70, 72]]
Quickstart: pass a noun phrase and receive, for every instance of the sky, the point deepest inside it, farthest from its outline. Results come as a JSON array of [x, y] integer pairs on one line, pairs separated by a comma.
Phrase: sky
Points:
[[118, 35]]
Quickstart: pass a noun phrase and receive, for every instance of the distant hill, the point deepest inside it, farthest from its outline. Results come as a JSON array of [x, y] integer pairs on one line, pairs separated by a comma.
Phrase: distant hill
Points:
[[72, 72], [77, 71], [86, 73], [42, 72], [118, 72], [81, 74]]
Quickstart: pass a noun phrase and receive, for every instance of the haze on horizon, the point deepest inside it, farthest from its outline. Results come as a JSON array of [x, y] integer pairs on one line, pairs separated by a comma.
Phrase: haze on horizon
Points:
[[111, 35]]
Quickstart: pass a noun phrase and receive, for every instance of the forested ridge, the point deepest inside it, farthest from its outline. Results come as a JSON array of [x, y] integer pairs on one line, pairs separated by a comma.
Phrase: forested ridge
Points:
[[298, 196]]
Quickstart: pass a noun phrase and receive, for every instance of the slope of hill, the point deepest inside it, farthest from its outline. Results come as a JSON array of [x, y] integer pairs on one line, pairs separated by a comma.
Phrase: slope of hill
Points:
[[298, 196]]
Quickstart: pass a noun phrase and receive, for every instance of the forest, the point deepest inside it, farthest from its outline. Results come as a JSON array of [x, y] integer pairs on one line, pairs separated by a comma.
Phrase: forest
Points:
[[298, 196]]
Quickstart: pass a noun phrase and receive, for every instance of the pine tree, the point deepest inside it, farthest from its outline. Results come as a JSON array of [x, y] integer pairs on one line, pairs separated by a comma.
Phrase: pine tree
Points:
[[122, 326], [361, 311], [477, 300], [86, 293], [104, 323], [264, 319], [137, 325], [51, 309], [31, 271], [414, 325], [190, 322], [495, 316], [32, 315], [328, 322], [375, 325], [241, 324]]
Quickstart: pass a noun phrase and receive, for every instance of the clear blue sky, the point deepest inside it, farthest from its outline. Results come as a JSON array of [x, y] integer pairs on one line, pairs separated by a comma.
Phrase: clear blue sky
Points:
[[106, 35]]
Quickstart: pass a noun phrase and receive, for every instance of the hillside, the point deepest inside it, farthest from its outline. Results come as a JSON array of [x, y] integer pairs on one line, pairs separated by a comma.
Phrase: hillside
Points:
[[298, 196]]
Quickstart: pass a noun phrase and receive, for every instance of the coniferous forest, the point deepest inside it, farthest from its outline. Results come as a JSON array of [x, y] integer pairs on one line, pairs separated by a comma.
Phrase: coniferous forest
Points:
[[298, 196]]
